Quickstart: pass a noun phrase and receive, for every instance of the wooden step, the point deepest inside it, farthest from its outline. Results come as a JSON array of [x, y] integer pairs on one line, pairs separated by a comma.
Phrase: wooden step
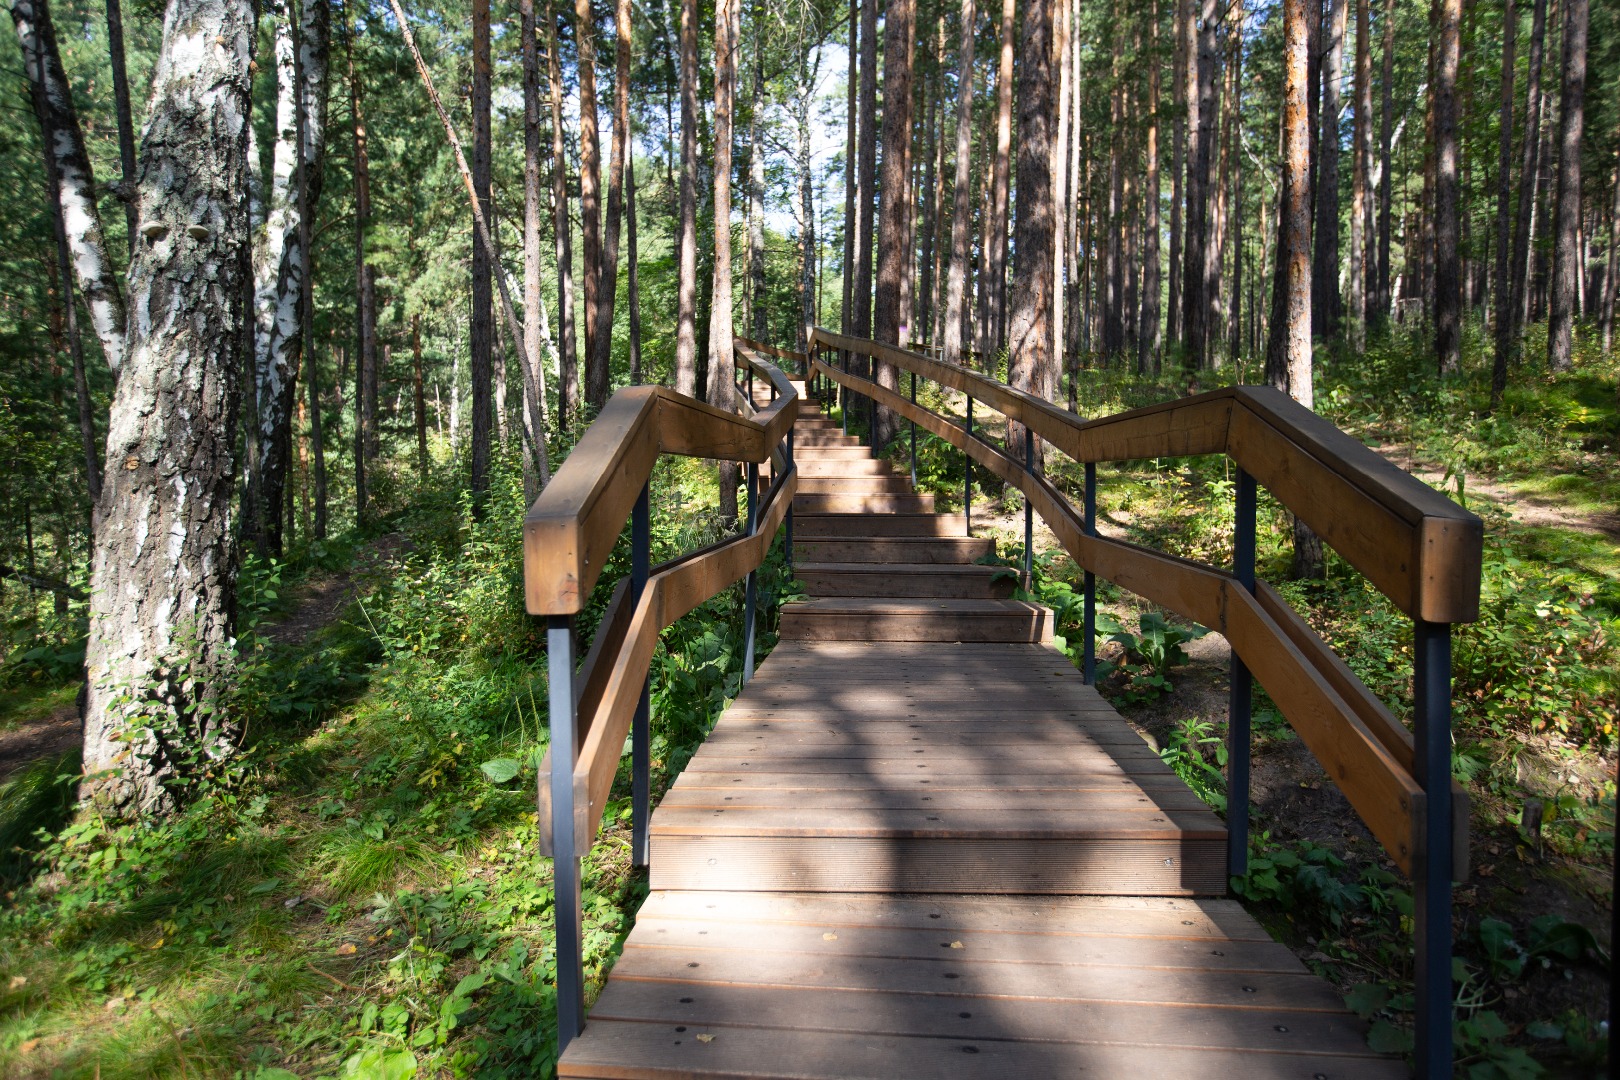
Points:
[[825, 466], [885, 619], [854, 485], [806, 525], [875, 579], [827, 437], [863, 504], [832, 452], [891, 549]]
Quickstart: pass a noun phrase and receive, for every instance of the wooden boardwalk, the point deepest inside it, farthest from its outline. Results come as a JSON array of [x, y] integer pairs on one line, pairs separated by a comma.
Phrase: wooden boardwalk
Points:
[[918, 846]]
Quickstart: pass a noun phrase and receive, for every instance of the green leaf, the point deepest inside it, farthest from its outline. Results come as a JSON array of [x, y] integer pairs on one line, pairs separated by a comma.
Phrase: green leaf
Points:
[[501, 769], [1386, 1038], [378, 1063], [1366, 999]]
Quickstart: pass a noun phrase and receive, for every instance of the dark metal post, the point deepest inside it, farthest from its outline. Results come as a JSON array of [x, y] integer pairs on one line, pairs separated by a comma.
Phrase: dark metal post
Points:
[[914, 434], [1242, 692], [640, 729], [1088, 666], [1029, 511], [871, 406], [1431, 870], [789, 460], [565, 859], [751, 590], [843, 397], [967, 473]]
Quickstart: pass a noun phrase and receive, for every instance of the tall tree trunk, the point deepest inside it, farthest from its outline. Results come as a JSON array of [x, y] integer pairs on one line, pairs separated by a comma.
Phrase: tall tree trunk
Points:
[[171, 431], [1361, 166], [480, 364], [894, 249], [851, 133], [590, 204], [754, 311], [533, 271], [722, 392], [956, 286], [1327, 306], [1567, 262], [1060, 176], [633, 284], [1611, 286], [1447, 283], [75, 187], [686, 246], [1386, 135], [126, 122], [1195, 296], [927, 240], [418, 400], [1147, 339], [1504, 209], [807, 205], [568, 388], [1529, 184], [1029, 353], [365, 405], [1186, 122], [317, 440], [601, 367], [996, 256], [1234, 209], [1114, 261], [865, 174]]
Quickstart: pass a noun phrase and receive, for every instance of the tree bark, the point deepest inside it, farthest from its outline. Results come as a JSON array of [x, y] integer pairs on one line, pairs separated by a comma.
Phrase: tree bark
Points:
[[1361, 166], [956, 282], [1186, 122], [865, 175], [996, 260], [894, 250], [164, 563], [1567, 261], [853, 77], [1447, 283], [754, 316], [365, 430], [1234, 207], [1147, 338], [1196, 292], [1386, 130], [1611, 287], [1327, 306], [633, 284], [568, 389], [722, 392], [1504, 209], [590, 203], [608, 284], [75, 186], [686, 313], [1528, 187], [533, 271], [807, 206], [1060, 177], [480, 359], [1029, 352]]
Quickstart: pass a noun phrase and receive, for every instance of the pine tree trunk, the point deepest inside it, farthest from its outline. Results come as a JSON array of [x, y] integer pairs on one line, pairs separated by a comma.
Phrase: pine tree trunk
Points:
[[1029, 341], [1327, 307], [481, 360], [75, 187], [1147, 339], [1386, 133], [894, 250], [1567, 261], [996, 254], [1504, 209], [1611, 286], [590, 203], [686, 247], [601, 366], [637, 374], [722, 392], [807, 205], [365, 405], [568, 388], [126, 122], [1447, 284], [1360, 206], [853, 77], [865, 177], [1060, 183], [533, 209], [754, 310], [956, 286], [418, 400], [1234, 207], [1186, 122], [171, 433], [1288, 350], [1195, 298], [1529, 184], [932, 142]]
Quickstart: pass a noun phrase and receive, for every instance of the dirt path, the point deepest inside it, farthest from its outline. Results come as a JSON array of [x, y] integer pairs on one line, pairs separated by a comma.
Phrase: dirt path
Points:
[[46, 737], [1524, 509]]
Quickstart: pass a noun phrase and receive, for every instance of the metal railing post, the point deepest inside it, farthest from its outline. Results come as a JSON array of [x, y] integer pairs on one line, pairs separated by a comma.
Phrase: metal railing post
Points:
[[1431, 736], [967, 473], [1241, 698], [751, 588], [871, 407], [1088, 666], [565, 858], [640, 729], [788, 459], [914, 434], [842, 394], [1029, 512]]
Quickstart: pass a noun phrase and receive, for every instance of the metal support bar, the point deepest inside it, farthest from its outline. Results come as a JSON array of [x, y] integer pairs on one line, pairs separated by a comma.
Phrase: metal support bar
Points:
[[871, 409], [751, 588], [843, 397], [1029, 512], [967, 473], [1088, 666], [640, 728], [914, 434], [565, 859], [1431, 736], [788, 458], [1241, 700]]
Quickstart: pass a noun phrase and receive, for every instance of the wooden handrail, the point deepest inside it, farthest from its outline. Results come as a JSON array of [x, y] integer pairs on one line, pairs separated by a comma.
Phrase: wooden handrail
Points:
[[745, 344], [1418, 547], [572, 527], [1366, 751]]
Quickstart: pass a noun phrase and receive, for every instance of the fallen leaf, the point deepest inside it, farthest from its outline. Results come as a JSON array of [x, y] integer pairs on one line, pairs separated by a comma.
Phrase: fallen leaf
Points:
[[829, 937], [28, 1045], [114, 1004], [957, 945], [346, 949], [705, 1038], [18, 980]]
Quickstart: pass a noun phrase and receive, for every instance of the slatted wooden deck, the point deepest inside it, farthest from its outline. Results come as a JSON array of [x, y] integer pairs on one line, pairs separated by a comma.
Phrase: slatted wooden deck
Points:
[[918, 846]]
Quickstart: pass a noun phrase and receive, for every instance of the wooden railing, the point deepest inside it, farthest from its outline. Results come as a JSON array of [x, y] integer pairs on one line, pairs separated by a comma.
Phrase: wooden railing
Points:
[[568, 535], [1416, 546]]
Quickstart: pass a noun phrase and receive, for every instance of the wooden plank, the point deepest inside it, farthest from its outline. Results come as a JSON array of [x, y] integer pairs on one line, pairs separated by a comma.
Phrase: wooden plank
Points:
[[1137, 867], [1063, 916], [765, 778], [938, 822], [1095, 798], [937, 1016], [619, 1050]]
